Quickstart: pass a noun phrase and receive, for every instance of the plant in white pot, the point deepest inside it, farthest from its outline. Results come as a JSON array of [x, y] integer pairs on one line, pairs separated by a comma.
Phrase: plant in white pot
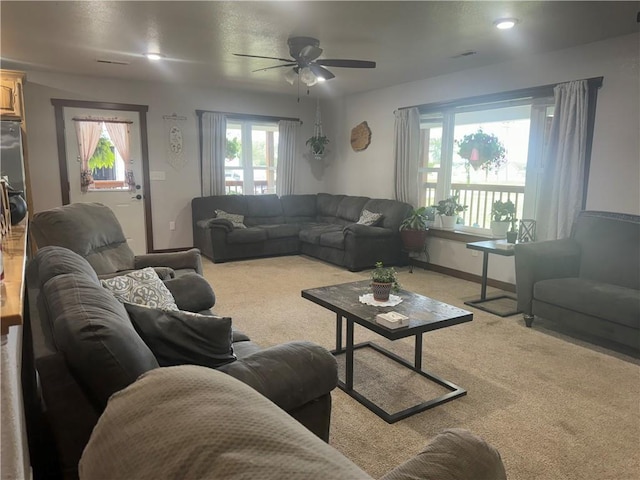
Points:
[[383, 281], [448, 209], [414, 228], [502, 216]]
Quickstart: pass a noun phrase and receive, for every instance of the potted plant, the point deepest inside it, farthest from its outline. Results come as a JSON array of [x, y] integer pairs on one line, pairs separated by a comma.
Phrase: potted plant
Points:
[[383, 281], [413, 229], [317, 144], [502, 215], [482, 150], [448, 210]]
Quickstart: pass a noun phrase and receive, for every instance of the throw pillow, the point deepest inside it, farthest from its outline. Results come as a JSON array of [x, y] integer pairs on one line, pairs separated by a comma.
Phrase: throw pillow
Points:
[[369, 218], [183, 338], [142, 287], [234, 218]]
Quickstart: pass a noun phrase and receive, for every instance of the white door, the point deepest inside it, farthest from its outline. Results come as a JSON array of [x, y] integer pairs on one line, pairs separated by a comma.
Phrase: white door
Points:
[[127, 206]]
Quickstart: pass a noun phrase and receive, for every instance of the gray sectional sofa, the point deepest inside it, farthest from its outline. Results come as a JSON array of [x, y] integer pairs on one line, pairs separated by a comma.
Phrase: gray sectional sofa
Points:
[[322, 225], [589, 282]]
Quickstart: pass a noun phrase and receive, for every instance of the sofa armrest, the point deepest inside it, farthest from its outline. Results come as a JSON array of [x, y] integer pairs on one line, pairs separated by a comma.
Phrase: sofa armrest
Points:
[[367, 231], [290, 374], [540, 261], [454, 454], [216, 223], [189, 259], [191, 292]]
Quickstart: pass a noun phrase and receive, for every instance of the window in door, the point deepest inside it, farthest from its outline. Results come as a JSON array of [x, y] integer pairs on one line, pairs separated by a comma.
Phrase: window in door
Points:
[[107, 166], [251, 157]]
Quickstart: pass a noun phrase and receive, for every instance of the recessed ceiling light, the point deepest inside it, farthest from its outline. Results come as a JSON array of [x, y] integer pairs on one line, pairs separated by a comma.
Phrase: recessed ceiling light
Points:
[[154, 56], [505, 23]]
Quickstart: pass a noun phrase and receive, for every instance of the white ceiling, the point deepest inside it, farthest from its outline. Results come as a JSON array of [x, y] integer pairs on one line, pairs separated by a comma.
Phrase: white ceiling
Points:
[[408, 40]]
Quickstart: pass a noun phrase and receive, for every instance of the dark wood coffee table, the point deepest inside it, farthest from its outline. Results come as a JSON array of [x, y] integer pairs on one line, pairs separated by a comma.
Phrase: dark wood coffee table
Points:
[[425, 315]]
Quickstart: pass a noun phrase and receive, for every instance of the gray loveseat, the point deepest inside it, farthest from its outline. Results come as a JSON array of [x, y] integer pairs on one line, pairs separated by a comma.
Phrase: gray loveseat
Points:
[[589, 282], [86, 349], [320, 225]]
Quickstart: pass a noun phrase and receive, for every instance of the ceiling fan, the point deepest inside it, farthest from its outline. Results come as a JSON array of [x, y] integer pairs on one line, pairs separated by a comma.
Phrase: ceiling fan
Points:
[[306, 64]]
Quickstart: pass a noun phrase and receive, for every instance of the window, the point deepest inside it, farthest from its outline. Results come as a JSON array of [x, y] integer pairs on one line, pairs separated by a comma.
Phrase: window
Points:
[[520, 127], [106, 165], [251, 157]]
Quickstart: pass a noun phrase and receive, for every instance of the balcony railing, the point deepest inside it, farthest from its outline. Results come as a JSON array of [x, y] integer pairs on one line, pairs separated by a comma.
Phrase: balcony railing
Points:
[[236, 187], [479, 199]]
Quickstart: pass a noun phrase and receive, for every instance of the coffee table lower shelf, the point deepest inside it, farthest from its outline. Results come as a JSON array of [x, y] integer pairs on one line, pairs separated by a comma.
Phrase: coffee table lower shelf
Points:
[[455, 390]]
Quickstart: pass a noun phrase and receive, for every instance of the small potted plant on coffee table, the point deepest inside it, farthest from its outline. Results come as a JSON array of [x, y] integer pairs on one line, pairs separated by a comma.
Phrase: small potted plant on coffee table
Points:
[[384, 280]]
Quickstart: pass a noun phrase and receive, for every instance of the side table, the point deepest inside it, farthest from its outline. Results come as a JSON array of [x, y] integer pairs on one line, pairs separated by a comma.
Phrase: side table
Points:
[[497, 247]]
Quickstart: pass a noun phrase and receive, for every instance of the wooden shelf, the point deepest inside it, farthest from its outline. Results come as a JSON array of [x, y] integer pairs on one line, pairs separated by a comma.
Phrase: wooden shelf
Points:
[[14, 255]]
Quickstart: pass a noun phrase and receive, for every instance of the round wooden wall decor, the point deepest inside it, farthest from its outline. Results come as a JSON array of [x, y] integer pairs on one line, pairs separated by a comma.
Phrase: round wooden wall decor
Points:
[[360, 137]]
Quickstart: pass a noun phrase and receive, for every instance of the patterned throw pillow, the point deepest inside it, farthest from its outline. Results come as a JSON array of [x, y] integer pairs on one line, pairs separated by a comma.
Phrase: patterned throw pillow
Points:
[[369, 218], [141, 287], [235, 219]]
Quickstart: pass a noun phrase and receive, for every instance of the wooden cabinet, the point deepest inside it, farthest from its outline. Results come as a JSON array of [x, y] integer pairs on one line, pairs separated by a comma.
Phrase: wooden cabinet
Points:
[[11, 102]]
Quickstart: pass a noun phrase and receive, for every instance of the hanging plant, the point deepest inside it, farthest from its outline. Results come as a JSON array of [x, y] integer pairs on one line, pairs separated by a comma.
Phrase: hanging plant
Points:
[[318, 142], [482, 150]]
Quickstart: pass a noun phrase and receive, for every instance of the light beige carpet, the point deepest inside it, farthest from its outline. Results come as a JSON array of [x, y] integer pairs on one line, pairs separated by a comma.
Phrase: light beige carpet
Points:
[[555, 407]]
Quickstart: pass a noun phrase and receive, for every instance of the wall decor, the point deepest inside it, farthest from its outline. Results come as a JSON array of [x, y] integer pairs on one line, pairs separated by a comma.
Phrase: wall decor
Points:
[[174, 140], [360, 137]]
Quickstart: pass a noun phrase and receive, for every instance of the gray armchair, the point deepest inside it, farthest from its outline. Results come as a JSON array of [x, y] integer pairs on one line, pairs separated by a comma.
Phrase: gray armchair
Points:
[[93, 232]]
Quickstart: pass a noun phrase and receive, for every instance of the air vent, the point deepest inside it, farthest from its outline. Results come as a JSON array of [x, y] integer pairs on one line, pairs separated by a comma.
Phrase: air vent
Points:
[[112, 62]]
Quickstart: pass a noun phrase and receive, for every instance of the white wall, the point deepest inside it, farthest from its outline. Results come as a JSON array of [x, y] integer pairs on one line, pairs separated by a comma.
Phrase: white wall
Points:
[[614, 182], [170, 198]]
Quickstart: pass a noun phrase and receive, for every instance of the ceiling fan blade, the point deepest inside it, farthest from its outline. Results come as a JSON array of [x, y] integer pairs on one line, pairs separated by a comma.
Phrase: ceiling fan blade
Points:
[[268, 58], [346, 63], [310, 53], [319, 71], [275, 66]]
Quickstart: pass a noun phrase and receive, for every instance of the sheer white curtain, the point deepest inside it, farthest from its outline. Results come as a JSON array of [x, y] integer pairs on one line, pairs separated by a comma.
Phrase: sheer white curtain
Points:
[[214, 149], [285, 169], [562, 189], [406, 151], [120, 136], [88, 134]]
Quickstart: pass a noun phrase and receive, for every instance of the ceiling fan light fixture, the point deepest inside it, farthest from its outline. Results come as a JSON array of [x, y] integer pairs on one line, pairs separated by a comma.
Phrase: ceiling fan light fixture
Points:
[[307, 77], [505, 23], [290, 76]]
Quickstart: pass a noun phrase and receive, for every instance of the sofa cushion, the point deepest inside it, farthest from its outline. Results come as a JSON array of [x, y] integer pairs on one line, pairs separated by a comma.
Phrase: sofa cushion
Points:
[[190, 422], [350, 207], [333, 239], [264, 206], [301, 206], [454, 454], [609, 247], [394, 212], [604, 300], [313, 233], [369, 218], [142, 287], [89, 229], [327, 205], [235, 218], [281, 231], [93, 331], [183, 338], [191, 292], [53, 260], [247, 235]]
